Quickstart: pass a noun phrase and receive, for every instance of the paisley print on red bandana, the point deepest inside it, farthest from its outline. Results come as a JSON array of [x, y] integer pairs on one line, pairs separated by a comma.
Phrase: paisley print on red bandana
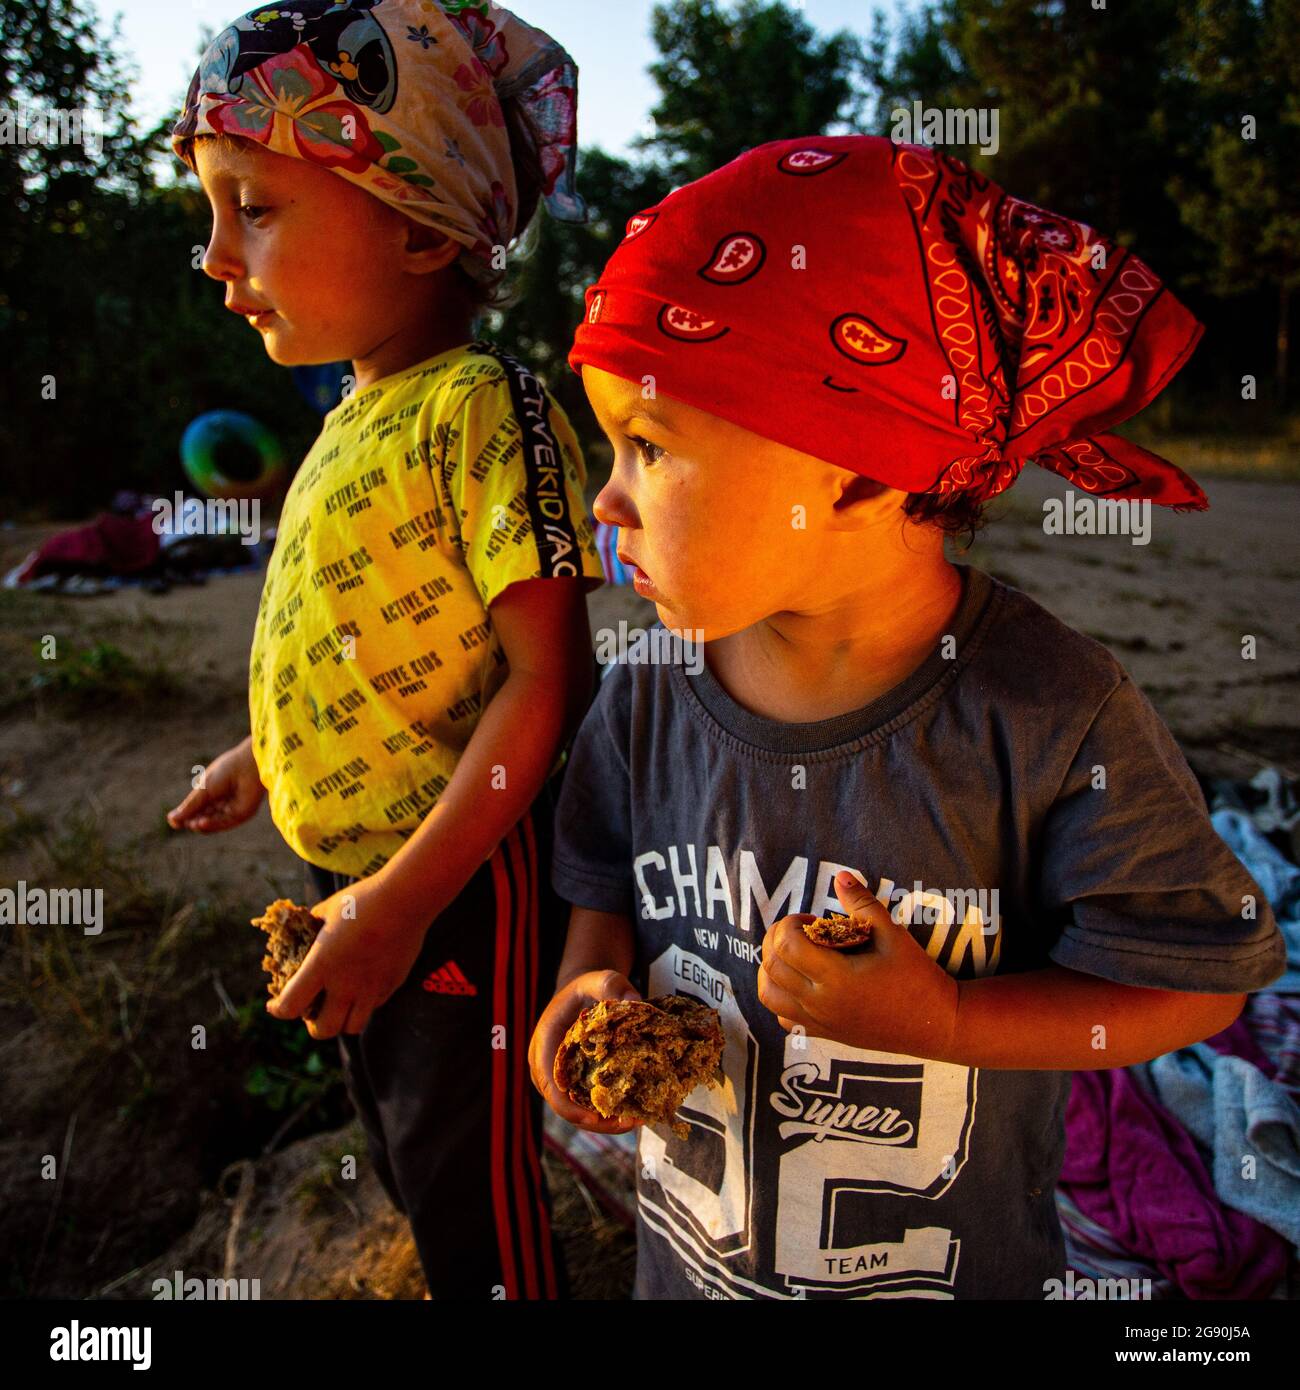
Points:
[[890, 310]]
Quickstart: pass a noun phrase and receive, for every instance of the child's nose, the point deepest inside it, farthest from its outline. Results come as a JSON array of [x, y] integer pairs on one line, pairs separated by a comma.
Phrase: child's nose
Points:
[[219, 260], [613, 506]]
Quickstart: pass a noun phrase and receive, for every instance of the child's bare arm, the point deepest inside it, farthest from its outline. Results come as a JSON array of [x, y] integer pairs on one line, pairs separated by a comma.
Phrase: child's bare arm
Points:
[[596, 941], [1062, 1020], [546, 637]]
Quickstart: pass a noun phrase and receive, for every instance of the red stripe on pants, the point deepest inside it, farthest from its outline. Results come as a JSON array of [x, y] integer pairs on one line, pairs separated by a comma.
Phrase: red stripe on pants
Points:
[[500, 1076], [519, 1030], [548, 1262]]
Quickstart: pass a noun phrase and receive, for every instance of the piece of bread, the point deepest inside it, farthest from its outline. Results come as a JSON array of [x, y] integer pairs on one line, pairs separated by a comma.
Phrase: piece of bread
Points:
[[638, 1059], [290, 932], [839, 933]]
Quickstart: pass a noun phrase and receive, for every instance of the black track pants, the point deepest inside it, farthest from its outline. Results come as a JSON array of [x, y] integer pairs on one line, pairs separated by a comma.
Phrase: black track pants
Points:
[[439, 1077]]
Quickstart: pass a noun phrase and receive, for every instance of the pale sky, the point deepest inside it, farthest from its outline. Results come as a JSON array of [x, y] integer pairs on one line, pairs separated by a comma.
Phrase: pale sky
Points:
[[608, 39]]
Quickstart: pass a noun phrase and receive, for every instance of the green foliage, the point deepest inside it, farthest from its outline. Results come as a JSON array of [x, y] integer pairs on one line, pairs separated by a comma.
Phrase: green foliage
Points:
[[291, 1069], [1126, 117], [1092, 107], [1244, 199], [100, 296], [565, 260], [735, 77], [18, 827]]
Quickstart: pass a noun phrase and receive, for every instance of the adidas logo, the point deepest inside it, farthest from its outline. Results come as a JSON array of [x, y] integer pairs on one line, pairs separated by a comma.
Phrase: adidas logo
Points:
[[448, 979]]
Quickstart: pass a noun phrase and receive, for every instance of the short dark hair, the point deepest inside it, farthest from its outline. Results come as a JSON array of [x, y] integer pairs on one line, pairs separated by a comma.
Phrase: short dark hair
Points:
[[185, 146], [954, 513]]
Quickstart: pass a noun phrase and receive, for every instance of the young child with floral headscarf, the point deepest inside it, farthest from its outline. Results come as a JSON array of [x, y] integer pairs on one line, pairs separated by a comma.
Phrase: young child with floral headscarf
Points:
[[812, 364], [422, 650]]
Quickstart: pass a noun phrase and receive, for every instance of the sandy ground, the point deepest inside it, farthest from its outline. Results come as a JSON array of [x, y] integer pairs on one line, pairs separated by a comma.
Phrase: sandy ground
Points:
[[1175, 611]]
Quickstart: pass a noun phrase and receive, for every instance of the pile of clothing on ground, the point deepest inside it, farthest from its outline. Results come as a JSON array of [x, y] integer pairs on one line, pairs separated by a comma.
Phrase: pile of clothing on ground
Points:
[[126, 546], [1185, 1170]]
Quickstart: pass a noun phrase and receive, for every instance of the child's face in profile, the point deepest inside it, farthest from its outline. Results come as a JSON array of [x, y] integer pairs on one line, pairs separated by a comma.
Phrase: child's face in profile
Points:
[[312, 261], [726, 527]]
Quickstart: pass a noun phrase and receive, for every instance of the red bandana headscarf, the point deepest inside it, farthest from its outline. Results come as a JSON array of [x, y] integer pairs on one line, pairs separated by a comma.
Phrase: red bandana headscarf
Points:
[[889, 310]]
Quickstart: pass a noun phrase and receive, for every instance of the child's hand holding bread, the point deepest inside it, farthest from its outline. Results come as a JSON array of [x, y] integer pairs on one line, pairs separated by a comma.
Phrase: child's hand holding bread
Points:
[[881, 992], [582, 992], [623, 1060], [366, 946]]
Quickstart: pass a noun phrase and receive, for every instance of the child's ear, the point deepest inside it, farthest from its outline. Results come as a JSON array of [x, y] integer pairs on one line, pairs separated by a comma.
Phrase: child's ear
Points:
[[856, 488], [855, 499], [425, 249]]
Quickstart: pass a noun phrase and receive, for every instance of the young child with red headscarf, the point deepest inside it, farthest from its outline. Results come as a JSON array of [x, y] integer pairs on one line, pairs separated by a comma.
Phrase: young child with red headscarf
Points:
[[422, 649], [812, 365]]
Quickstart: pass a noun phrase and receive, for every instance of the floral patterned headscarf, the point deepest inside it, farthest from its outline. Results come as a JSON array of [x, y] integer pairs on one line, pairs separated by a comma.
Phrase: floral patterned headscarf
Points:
[[405, 98]]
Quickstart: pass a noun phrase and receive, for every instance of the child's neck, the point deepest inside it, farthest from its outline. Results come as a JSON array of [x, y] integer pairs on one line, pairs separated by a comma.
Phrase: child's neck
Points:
[[801, 668], [409, 344]]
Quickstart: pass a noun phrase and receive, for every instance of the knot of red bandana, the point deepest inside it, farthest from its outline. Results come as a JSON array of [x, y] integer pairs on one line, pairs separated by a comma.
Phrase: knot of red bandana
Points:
[[887, 309]]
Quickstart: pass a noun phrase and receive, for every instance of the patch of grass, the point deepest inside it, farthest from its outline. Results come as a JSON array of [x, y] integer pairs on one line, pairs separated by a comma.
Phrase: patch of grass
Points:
[[21, 610], [101, 989], [280, 1087], [57, 654], [101, 675], [79, 847], [1271, 459]]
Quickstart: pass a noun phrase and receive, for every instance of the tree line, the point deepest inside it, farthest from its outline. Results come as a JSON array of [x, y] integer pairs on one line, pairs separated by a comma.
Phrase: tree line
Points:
[[1167, 125]]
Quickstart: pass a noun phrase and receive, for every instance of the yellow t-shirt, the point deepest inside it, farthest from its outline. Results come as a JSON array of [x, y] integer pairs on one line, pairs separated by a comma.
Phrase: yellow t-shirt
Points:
[[424, 496]]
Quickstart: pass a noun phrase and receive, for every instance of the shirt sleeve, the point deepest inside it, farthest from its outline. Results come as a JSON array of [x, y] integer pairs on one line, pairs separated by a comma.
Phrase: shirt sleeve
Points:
[[1147, 891], [592, 852], [515, 477]]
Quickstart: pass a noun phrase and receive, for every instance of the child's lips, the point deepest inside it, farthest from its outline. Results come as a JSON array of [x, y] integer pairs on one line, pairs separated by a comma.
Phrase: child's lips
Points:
[[641, 581], [258, 317]]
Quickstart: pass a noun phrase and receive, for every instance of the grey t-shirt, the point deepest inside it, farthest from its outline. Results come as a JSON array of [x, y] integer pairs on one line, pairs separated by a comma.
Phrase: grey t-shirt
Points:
[[1018, 757]]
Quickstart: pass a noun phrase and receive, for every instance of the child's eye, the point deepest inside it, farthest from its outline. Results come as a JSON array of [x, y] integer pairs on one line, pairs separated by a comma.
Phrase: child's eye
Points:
[[643, 446], [253, 211]]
